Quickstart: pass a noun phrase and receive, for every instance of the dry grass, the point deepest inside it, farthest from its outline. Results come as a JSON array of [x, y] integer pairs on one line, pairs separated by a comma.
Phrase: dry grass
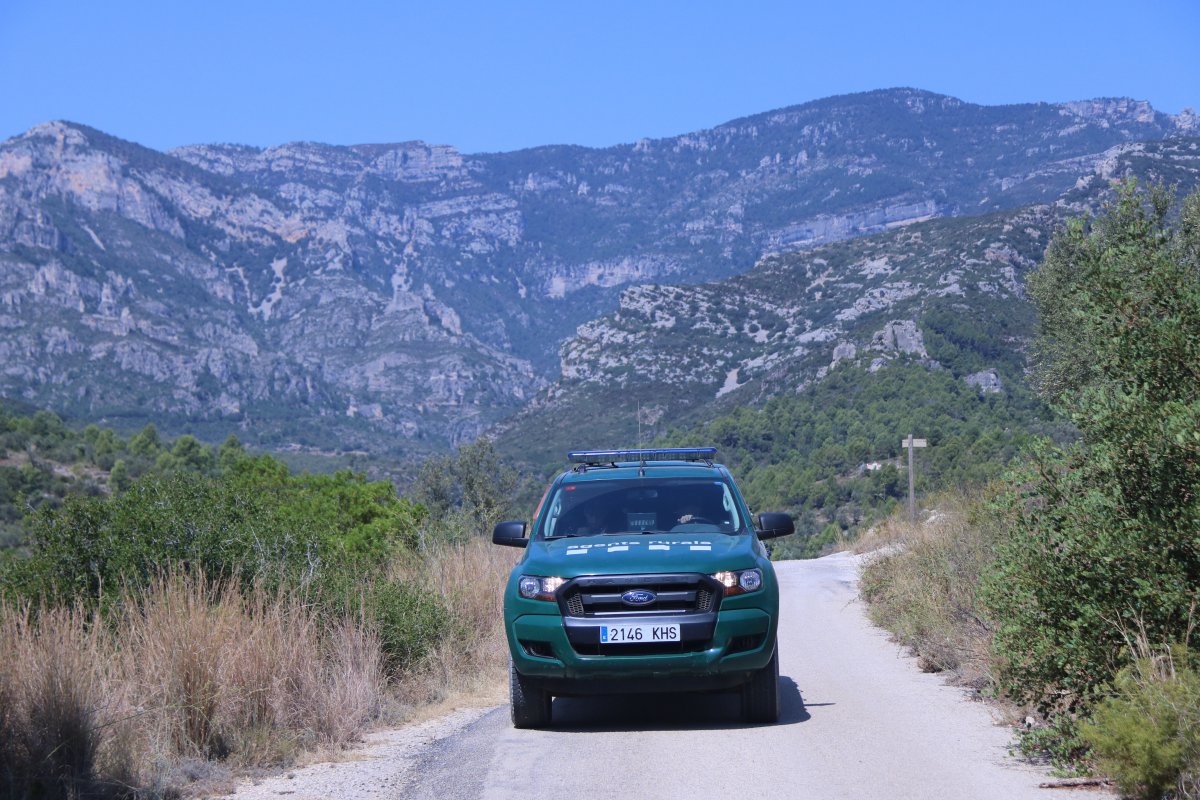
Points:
[[921, 584], [249, 677], [54, 705], [472, 661], [189, 674], [191, 681]]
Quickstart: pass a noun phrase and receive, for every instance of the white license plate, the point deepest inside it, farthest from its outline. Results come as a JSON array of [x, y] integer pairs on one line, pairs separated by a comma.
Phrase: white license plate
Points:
[[638, 633]]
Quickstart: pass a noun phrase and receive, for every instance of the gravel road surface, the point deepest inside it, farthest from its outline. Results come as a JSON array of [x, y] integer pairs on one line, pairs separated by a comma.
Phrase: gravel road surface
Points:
[[859, 721]]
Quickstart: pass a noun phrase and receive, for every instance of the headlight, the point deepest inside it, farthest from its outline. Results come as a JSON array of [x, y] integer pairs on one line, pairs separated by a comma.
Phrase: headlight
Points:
[[533, 587], [741, 581]]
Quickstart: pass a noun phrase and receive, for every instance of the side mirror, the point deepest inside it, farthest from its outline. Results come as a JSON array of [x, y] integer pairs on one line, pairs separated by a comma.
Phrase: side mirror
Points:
[[511, 534], [772, 525]]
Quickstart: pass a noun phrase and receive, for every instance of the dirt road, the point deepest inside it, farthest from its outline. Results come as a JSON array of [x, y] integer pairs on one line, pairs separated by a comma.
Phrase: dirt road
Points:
[[859, 721]]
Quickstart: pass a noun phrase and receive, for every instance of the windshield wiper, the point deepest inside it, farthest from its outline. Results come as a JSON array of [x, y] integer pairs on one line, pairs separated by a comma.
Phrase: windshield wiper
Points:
[[606, 533]]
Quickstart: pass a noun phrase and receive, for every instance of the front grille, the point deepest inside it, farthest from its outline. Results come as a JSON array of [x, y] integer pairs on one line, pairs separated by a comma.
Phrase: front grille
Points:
[[575, 604], [600, 596]]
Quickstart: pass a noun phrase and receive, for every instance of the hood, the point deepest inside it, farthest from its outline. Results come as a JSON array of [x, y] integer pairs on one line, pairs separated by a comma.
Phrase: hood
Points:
[[629, 553]]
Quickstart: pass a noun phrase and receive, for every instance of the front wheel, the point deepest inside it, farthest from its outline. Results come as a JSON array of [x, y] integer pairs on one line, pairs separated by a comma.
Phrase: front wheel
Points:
[[530, 704], [760, 694]]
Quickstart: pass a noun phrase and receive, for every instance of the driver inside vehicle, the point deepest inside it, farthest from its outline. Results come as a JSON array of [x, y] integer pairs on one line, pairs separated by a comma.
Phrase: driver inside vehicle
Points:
[[697, 516], [690, 513], [700, 509]]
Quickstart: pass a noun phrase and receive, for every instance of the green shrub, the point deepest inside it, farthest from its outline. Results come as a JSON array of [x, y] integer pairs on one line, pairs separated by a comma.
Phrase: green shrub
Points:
[[357, 518], [255, 521], [409, 619], [464, 494], [93, 546], [1057, 744], [1147, 736], [1107, 529]]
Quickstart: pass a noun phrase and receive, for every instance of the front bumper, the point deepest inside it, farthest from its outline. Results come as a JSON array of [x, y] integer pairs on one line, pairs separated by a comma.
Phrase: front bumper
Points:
[[715, 651]]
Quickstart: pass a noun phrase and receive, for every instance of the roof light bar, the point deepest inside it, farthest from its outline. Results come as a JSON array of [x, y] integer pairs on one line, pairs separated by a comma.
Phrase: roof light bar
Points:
[[663, 454]]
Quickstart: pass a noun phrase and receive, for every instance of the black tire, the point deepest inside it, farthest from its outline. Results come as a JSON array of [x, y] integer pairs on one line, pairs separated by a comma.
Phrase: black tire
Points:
[[529, 703], [760, 694]]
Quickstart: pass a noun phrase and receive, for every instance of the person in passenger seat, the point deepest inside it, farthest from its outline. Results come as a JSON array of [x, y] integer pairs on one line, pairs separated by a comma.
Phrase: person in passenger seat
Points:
[[594, 521]]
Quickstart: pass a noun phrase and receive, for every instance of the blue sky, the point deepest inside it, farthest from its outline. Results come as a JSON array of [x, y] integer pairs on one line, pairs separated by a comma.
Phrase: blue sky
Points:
[[506, 75]]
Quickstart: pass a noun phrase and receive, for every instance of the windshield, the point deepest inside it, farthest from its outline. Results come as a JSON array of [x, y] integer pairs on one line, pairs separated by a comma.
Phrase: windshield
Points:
[[659, 505]]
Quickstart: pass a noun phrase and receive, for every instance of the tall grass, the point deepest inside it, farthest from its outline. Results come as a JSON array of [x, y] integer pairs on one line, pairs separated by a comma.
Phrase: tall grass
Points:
[[194, 678], [190, 670], [921, 583], [55, 705], [472, 656], [248, 676]]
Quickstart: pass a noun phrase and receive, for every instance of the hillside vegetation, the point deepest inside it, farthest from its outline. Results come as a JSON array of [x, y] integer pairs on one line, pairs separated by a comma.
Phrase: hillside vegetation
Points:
[[809, 454], [43, 461], [1074, 587]]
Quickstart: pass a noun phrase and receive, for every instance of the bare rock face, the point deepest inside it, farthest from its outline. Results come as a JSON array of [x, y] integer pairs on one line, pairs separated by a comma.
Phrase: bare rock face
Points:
[[987, 381], [1112, 110], [845, 351], [162, 292], [900, 337]]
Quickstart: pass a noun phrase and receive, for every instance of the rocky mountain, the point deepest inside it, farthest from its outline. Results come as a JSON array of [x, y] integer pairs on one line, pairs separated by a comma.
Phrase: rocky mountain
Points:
[[406, 296], [947, 294]]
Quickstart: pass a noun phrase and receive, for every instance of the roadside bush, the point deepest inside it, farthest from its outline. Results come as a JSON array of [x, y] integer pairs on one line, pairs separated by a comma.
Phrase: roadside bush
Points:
[[96, 546], [1106, 530], [409, 620], [256, 521], [353, 517], [1147, 735], [1056, 743]]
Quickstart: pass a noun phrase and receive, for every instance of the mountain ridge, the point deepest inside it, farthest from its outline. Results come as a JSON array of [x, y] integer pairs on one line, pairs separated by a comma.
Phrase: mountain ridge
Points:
[[407, 296], [1186, 120]]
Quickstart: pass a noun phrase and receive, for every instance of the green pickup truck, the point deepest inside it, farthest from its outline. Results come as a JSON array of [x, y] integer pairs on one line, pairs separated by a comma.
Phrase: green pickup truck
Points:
[[643, 573]]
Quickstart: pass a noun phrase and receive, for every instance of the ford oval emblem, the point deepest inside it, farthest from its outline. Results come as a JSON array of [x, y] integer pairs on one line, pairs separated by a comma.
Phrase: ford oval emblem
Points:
[[638, 597]]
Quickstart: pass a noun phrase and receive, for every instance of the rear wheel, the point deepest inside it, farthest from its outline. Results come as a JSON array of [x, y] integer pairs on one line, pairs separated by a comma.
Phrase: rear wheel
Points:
[[760, 694], [530, 704]]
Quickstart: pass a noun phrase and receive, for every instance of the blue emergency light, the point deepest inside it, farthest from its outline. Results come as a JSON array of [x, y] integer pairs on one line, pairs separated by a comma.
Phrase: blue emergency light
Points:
[[642, 456]]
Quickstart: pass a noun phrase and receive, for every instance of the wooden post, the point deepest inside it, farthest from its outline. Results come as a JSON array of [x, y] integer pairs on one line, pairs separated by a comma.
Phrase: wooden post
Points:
[[911, 443]]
